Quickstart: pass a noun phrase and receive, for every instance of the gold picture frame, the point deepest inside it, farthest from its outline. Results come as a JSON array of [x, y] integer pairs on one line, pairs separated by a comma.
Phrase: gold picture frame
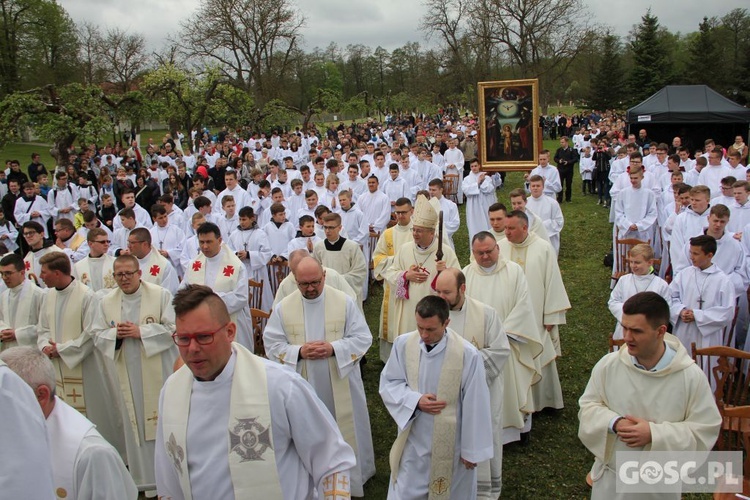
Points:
[[509, 138]]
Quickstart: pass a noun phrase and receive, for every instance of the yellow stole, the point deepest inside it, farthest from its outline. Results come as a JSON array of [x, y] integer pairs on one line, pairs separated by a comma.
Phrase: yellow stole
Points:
[[226, 278], [151, 367], [76, 242], [335, 321], [22, 316], [69, 380], [252, 462], [388, 238], [444, 427]]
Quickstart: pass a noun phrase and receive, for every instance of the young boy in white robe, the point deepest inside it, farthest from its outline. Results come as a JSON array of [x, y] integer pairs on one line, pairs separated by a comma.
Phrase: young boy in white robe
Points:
[[250, 244], [168, 239], [740, 208], [120, 236], [8, 233], [191, 248], [586, 168], [640, 279], [689, 223], [305, 237], [703, 298], [227, 220], [279, 232], [296, 201], [395, 187], [548, 210]]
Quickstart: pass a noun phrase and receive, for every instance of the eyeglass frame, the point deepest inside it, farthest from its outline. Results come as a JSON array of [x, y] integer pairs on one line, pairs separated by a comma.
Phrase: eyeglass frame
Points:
[[123, 274], [194, 336]]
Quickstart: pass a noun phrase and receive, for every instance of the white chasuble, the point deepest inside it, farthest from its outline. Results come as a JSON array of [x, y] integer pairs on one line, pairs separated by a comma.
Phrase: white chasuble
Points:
[[337, 381], [156, 269], [33, 267], [96, 273], [19, 311]]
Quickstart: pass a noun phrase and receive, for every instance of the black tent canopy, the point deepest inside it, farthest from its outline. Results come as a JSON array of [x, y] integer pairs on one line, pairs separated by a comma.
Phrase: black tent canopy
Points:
[[693, 112]]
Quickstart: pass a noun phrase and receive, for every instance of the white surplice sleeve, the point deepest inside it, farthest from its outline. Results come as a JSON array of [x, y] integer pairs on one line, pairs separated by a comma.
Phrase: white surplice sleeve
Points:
[[399, 399], [476, 416], [357, 340], [101, 473], [277, 344]]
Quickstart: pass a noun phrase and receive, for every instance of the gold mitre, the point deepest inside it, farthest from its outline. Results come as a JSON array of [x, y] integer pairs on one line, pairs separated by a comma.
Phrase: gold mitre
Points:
[[424, 214]]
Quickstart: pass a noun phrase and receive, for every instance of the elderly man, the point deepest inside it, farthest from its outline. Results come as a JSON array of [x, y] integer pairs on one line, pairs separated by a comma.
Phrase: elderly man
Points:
[[133, 327], [20, 304], [434, 386], [216, 266], [390, 241], [84, 464], [501, 284], [233, 425], [479, 324], [322, 334], [415, 267], [548, 298], [289, 284]]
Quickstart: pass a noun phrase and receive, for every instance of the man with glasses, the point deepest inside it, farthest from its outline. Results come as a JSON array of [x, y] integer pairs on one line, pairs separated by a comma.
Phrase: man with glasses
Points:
[[218, 267], [246, 425], [96, 270], [343, 255], [415, 267], [156, 268], [388, 245], [20, 304], [85, 378], [33, 233], [322, 334], [69, 241], [133, 327]]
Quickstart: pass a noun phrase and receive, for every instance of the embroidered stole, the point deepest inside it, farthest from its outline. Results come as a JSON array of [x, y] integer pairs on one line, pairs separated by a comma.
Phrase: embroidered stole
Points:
[[252, 462], [335, 321], [22, 313], [151, 367], [31, 261], [444, 426], [154, 267], [69, 380], [386, 335], [76, 242], [66, 429], [83, 270], [474, 323], [226, 278]]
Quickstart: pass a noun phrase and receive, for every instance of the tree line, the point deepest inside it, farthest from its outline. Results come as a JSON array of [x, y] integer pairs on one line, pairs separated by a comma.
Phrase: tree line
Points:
[[242, 63]]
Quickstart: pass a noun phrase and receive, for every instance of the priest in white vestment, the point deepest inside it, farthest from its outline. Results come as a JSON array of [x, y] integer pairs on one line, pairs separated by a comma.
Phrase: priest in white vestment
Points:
[[96, 270], [289, 284], [33, 233], [133, 327], [251, 246], [86, 380], [479, 324], [548, 297], [20, 304], [390, 241], [69, 241], [280, 441], [415, 267], [616, 416], [84, 464], [501, 284], [25, 441], [156, 268], [219, 268], [434, 387], [476, 188], [343, 255], [321, 333]]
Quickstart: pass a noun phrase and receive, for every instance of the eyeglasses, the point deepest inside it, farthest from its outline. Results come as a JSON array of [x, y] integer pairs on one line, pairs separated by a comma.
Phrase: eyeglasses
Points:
[[125, 274], [330, 228], [402, 212], [184, 339], [8, 274], [30, 234], [103, 242], [308, 284]]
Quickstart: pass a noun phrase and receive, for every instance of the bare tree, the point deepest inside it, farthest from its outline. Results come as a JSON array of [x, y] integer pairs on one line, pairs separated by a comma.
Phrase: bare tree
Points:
[[251, 40], [90, 39], [122, 56]]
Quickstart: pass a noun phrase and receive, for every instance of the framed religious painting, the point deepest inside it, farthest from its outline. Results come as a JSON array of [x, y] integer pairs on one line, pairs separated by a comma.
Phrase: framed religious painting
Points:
[[509, 125]]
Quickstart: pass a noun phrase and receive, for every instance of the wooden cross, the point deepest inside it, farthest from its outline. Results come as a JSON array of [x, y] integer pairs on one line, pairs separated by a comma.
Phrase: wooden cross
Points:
[[75, 396], [153, 418]]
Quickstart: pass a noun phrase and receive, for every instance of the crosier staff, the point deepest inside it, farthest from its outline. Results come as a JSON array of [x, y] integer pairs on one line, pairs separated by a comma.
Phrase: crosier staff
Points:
[[439, 253]]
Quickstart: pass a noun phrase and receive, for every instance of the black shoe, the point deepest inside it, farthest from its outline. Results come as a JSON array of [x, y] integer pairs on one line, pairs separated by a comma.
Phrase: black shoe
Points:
[[525, 438]]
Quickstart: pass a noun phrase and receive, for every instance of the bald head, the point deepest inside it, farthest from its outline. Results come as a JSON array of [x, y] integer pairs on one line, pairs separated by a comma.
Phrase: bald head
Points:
[[311, 278], [307, 265], [451, 286], [296, 256]]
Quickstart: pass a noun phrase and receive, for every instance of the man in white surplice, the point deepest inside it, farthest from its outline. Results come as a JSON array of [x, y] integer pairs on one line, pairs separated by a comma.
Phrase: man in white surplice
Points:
[[156, 268], [547, 209], [480, 324], [84, 465], [321, 333], [133, 327], [478, 190], [281, 441], [434, 386], [96, 269], [20, 304]]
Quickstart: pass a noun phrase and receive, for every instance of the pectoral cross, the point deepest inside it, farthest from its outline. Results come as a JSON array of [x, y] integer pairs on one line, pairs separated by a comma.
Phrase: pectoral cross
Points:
[[153, 418], [700, 302], [75, 396]]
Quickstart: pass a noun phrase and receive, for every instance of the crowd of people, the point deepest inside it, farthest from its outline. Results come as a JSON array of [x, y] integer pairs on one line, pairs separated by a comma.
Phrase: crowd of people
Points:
[[126, 305]]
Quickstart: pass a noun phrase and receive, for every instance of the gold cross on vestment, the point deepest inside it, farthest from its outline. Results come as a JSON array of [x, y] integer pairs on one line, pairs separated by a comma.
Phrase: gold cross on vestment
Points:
[[343, 482], [295, 336], [153, 418], [282, 355], [75, 396], [327, 483], [440, 486]]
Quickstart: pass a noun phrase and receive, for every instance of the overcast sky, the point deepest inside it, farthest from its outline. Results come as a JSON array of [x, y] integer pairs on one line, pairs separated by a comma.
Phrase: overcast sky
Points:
[[388, 23]]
